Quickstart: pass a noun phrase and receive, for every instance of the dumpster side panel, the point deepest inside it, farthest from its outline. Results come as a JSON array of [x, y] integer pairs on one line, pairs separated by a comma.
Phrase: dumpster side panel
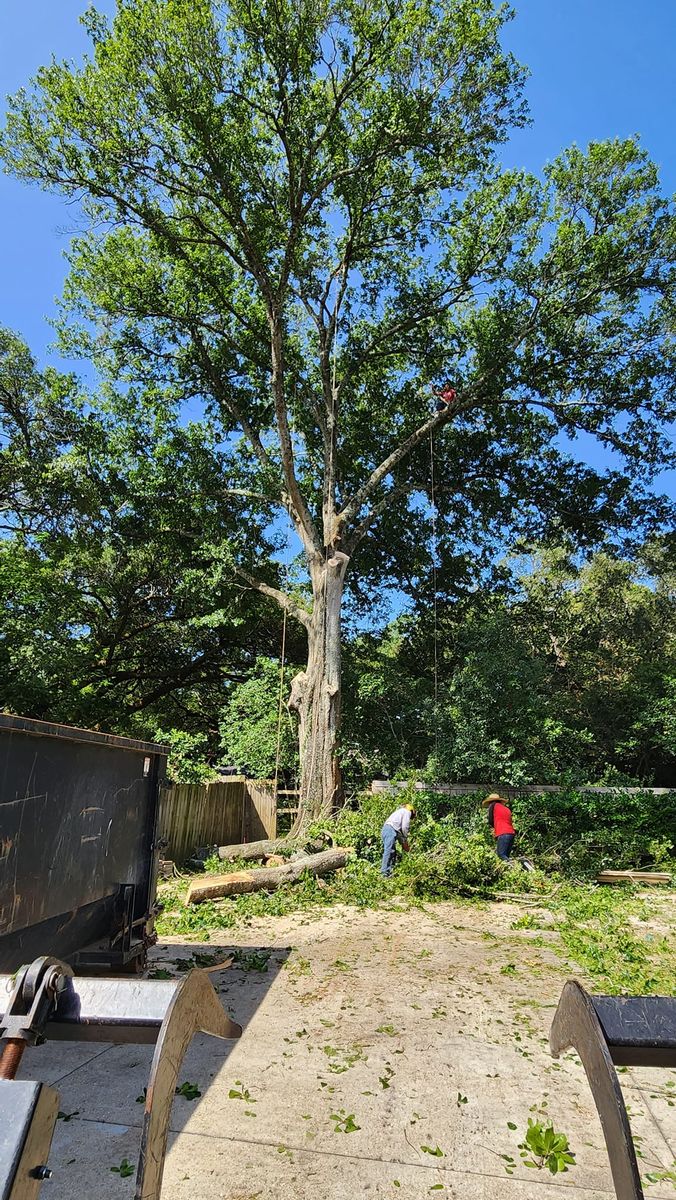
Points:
[[77, 820]]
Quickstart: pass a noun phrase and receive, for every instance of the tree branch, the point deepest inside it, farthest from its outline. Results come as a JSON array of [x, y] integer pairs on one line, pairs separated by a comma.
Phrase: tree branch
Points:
[[284, 601], [350, 510], [303, 521]]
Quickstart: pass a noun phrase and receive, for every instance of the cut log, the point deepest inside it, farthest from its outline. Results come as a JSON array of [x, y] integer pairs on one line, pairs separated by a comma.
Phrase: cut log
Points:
[[253, 850], [265, 879], [652, 877], [250, 851]]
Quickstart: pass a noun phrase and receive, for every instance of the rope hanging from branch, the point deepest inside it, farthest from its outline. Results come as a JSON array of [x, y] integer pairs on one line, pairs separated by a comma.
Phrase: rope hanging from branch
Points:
[[435, 550], [279, 707]]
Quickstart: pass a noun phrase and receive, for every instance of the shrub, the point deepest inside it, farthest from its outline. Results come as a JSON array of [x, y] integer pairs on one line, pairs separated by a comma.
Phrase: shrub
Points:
[[580, 833], [460, 864], [572, 832]]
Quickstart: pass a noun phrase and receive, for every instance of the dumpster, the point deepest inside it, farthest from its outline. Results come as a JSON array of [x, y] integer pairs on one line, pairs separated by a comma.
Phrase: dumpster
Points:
[[78, 845]]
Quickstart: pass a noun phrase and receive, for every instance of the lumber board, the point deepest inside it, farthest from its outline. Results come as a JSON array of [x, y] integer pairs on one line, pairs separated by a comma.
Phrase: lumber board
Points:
[[652, 877]]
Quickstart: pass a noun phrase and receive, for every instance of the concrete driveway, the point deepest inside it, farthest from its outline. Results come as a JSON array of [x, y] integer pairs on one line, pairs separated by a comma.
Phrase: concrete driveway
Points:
[[383, 1055]]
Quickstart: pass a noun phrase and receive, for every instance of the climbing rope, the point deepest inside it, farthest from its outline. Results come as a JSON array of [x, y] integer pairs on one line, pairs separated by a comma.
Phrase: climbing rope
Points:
[[435, 551], [279, 708]]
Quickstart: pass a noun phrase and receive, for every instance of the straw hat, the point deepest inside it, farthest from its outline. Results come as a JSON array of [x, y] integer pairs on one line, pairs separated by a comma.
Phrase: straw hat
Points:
[[494, 796]]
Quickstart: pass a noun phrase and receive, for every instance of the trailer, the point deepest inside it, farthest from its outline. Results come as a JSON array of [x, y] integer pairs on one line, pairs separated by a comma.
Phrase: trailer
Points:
[[78, 845]]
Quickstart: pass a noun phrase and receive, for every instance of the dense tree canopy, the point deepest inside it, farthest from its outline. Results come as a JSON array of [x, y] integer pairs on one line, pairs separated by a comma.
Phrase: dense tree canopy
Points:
[[558, 672], [295, 220], [114, 611]]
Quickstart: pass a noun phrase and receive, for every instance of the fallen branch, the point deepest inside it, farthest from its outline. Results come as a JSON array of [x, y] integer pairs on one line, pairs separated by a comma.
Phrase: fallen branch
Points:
[[253, 850], [266, 879]]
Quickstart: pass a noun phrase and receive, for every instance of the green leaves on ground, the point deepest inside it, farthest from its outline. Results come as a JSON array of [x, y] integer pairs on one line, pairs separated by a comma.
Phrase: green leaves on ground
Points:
[[239, 1092], [124, 1170], [542, 1147], [344, 1122], [252, 960]]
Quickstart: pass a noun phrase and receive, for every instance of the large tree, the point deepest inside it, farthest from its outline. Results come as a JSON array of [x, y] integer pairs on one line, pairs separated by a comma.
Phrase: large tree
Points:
[[295, 220], [113, 610]]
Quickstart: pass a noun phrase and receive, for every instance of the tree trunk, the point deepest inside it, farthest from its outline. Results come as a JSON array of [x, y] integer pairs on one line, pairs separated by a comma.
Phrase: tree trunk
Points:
[[315, 696], [252, 851], [268, 879]]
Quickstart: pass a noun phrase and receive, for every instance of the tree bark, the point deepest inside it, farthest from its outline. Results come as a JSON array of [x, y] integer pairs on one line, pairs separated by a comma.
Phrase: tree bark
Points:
[[254, 850], [266, 879], [316, 695]]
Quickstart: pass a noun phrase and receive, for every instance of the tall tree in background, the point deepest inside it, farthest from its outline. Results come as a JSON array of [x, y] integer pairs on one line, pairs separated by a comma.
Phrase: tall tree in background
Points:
[[296, 220], [570, 674], [41, 416], [111, 610]]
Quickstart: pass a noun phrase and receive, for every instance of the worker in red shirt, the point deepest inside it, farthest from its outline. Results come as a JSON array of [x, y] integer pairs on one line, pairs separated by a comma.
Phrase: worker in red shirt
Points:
[[500, 820], [445, 397]]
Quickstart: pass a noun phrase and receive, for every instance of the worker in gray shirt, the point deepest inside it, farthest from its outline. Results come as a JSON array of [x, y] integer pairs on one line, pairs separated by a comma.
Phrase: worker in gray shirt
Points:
[[395, 830]]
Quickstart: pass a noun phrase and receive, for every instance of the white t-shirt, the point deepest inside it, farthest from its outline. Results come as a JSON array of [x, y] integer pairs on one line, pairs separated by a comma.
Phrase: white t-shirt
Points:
[[400, 821]]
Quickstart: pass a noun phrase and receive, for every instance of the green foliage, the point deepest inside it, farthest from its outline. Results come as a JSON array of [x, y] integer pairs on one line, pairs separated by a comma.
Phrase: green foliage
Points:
[[250, 724], [461, 864], [386, 726], [667, 1175], [543, 1147], [124, 1170], [240, 1092], [601, 930], [562, 673], [581, 833], [109, 617], [573, 832], [255, 960], [344, 1122], [187, 756], [41, 417], [360, 826]]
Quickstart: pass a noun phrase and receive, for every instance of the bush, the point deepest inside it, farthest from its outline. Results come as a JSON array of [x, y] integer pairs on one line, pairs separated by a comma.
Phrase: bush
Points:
[[460, 864], [581, 833], [572, 832]]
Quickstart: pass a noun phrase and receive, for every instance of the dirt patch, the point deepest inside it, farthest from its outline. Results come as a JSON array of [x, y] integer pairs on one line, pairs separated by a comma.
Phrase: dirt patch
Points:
[[384, 1054]]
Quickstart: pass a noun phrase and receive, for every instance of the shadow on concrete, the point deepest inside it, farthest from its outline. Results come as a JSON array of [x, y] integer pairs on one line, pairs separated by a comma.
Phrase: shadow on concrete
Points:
[[101, 1086]]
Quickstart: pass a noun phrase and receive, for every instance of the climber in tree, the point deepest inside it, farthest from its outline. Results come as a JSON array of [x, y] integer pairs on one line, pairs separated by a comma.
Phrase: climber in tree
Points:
[[445, 397]]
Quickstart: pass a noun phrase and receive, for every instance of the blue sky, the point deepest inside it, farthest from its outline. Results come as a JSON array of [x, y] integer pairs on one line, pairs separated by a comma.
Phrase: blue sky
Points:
[[599, 68]]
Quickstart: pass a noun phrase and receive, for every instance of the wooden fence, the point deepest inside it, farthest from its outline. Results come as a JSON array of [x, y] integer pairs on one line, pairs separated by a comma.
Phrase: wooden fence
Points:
[[216, 814], [465, 789]]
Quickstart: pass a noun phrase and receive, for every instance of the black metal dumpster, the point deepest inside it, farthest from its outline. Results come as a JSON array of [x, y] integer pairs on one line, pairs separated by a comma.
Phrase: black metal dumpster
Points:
[[78, 852]]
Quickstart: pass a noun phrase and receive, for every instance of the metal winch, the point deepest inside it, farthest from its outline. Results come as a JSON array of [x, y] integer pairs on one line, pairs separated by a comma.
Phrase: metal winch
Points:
[[45, 1000]]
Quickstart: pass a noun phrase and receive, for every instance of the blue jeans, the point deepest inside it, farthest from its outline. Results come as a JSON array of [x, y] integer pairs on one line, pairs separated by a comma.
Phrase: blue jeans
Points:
[[504, 845], [388, 837]]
